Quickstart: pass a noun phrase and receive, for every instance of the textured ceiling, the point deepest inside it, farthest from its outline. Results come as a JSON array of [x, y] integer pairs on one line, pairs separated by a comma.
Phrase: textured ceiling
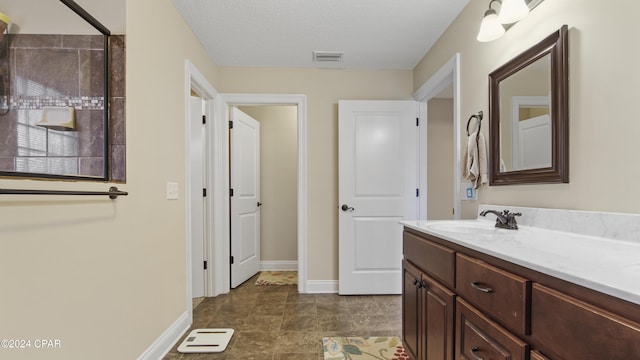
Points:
[[380, 34]]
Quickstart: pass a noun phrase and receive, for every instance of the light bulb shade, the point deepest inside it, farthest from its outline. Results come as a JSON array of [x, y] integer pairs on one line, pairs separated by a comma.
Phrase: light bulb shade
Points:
[[490, 28], [512, 11]]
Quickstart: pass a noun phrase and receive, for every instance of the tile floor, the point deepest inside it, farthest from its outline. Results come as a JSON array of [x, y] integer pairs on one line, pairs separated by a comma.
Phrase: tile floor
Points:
[[277, 323]]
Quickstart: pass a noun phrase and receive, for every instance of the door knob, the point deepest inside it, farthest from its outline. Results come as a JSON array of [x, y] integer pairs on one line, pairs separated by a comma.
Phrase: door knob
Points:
[[346, 207]]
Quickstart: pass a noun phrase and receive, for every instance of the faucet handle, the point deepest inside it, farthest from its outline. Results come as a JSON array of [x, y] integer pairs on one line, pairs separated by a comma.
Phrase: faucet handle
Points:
[[508, 213]]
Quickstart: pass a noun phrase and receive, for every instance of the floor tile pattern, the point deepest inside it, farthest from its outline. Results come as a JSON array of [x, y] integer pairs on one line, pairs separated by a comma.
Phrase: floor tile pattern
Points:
[[278, 323]]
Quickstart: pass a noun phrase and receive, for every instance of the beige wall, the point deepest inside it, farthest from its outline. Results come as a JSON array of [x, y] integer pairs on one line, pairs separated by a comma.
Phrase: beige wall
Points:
[[278, 181], [323, 89], [439, 159], [90, 271], [603, 80], [107, 277], [54, 17]]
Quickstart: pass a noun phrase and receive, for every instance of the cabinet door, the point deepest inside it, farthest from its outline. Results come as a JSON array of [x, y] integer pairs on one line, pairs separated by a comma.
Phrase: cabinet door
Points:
[[411, 304], [439, 316]]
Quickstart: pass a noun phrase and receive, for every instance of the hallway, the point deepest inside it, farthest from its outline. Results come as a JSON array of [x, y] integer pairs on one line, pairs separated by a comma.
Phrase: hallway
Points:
[[277, 323]]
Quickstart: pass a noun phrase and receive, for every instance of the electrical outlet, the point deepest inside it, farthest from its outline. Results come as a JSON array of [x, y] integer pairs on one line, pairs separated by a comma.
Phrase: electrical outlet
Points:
[[173, 191]]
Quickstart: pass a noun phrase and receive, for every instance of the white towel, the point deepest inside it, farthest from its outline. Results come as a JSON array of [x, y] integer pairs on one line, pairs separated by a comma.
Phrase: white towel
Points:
[[475, 160]]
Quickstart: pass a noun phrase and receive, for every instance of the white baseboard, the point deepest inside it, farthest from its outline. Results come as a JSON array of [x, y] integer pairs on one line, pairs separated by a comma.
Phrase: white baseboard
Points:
[[168, 339], [322, 286], [278, 265]]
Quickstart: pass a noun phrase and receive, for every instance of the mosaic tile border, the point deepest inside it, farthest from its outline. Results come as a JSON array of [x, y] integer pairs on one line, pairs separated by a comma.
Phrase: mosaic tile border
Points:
[[38, 102]]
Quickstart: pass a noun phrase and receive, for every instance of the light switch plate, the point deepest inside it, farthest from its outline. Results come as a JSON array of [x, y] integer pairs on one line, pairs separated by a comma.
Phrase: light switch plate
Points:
[[467, 191], [173, 191]]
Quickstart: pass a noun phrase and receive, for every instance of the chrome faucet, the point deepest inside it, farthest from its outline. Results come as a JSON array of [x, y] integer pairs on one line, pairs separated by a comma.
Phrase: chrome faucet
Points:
[[504, 219]]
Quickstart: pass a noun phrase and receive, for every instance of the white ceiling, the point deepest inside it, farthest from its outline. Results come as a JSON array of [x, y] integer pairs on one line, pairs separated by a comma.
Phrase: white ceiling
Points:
[[377, 34]]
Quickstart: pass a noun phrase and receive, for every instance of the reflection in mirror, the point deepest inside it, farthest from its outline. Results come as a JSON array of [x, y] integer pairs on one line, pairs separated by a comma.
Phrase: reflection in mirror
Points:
[[525, 122], [54, 96], [528, 115]]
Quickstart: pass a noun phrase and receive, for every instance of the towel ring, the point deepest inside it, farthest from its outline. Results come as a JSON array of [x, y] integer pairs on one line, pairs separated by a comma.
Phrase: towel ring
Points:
[[478, 117]]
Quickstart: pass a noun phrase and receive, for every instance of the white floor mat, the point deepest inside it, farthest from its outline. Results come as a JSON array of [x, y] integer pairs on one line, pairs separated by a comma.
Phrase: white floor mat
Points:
[[206, 341]]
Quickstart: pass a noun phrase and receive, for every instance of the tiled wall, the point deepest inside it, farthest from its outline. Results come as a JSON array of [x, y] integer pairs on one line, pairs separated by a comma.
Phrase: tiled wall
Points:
[[117, 114], [63, 70]]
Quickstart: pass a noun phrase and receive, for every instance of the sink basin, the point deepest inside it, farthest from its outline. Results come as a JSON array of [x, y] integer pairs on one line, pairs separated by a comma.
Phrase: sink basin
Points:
[[465, 227]]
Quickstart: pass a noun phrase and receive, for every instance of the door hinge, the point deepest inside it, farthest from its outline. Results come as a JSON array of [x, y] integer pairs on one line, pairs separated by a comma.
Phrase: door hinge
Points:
[[453, 211], [230, 192], [231, 260], [205, 264], [204, 192], [417, 192], [417, 121], [204, 119], [230, 125]]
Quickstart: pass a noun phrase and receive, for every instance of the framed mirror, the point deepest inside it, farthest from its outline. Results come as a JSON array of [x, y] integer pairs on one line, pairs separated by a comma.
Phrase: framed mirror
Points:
[[54, 92], [529, 115]]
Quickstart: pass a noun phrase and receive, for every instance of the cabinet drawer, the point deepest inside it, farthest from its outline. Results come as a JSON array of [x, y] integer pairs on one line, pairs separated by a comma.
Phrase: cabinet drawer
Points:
[[573, 329], [477, 337], [435, 260], [504, 296]]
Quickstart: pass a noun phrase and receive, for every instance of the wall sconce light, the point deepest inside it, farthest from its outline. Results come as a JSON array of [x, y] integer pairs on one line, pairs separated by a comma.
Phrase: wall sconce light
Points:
[[511, 11], [491, 28]]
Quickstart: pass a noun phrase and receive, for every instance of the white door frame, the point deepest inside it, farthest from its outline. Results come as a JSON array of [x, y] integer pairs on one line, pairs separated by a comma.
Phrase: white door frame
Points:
[[449, 73], [194, 80], [221, 265]]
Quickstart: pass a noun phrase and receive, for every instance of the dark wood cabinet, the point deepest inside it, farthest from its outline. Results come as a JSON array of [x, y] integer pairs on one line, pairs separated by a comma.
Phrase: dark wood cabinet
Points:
[[411, 313], [428, 316], [439, 311], [463, 304], [574, 329], [436, 260], [497, 292], [480, 338]]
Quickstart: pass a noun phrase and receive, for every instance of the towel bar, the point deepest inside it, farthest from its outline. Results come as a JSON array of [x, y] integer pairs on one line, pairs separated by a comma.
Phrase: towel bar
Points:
[[113, 192]]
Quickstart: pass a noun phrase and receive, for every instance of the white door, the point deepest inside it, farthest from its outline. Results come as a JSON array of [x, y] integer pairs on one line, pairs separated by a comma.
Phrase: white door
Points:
[[198, 211], [378, 178], [533, 145], [245, 207]]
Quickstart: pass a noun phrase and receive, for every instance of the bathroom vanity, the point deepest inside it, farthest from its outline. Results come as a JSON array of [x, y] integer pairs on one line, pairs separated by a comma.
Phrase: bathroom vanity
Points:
[[472, 291]]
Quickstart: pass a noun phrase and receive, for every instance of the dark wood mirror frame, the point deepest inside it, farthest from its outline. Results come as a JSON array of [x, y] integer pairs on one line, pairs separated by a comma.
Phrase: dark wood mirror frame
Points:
[[556, 45]]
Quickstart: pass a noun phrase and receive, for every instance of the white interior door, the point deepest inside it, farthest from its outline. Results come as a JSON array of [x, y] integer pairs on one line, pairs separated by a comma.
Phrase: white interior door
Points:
[[245, 208], [378, 178], [198, 211], [533, 144]]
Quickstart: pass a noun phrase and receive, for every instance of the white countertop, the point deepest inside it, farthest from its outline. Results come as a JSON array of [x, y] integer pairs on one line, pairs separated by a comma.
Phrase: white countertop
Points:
[[605, 265]]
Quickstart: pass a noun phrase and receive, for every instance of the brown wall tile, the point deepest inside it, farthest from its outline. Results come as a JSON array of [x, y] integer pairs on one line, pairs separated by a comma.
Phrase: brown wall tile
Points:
[[55, 70], [90, 133], [8, 134], [91, 166], [118, 163], [91, 73], [118, 122]]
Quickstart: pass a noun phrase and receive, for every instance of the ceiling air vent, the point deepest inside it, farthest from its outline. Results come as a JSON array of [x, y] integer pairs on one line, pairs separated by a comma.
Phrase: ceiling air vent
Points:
[[327, 56]]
